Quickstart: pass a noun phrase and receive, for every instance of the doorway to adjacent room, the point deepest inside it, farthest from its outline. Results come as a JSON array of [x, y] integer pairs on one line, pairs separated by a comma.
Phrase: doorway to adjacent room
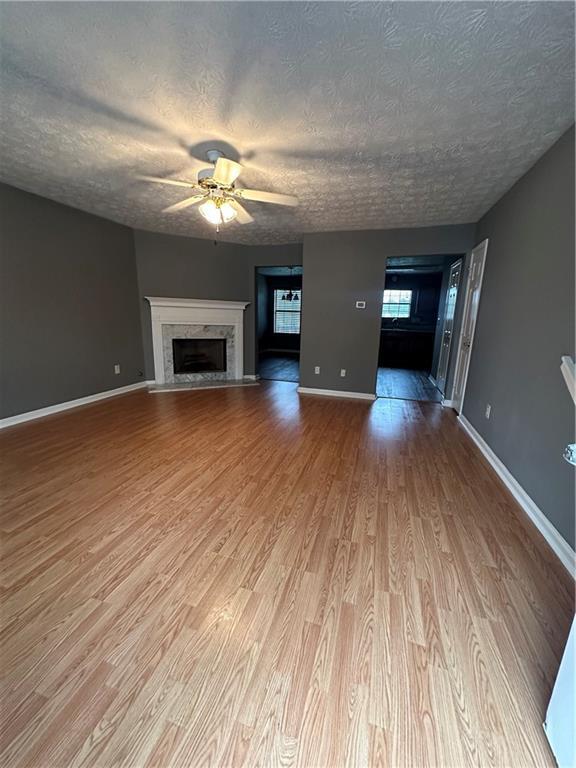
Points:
[[412, 324], [278, 312]]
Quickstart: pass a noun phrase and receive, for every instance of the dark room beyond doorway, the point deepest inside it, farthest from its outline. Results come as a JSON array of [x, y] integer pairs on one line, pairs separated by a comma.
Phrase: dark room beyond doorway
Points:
[[412, 304], [278, 311]]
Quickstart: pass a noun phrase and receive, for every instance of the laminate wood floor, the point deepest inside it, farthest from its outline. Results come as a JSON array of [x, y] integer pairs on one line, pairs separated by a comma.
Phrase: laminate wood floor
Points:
[[248, 577], [279, 367], [407, 385]]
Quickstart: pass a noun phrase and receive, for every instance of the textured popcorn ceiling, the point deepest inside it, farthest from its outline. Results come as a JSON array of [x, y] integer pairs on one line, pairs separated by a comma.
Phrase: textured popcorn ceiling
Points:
[[376, 115]]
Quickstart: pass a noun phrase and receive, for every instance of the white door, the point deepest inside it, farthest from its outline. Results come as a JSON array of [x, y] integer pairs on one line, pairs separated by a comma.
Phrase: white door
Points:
[[471, 304], [448, 324]]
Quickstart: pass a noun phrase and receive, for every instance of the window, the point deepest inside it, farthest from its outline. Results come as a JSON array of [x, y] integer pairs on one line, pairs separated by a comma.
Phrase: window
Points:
[[287, 313], [397, 304]]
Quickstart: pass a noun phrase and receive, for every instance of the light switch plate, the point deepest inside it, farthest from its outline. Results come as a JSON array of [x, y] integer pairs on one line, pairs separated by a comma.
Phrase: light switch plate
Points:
[[117, 368], [360, 305]]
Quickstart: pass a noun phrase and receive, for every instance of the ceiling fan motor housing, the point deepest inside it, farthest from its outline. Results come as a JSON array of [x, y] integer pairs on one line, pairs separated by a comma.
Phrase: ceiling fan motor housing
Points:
[[206, 181]]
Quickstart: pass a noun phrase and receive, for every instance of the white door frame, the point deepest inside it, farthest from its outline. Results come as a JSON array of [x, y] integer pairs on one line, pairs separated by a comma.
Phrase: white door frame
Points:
[[444, 356], [469, 318]]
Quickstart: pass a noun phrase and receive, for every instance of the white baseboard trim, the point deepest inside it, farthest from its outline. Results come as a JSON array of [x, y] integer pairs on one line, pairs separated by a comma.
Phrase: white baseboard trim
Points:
[[335, 393], [432, 380], [557, 543], [252, 376], [448, 403], [20, 418]]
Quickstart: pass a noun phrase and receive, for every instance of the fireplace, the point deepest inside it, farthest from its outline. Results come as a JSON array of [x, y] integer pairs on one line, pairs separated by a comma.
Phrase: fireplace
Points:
[[199, 355], [197, 320]]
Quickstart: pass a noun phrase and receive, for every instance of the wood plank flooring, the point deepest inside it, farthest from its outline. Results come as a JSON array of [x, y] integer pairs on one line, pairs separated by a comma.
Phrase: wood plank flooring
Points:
[[279, 367], [406, 384], [248, 577]]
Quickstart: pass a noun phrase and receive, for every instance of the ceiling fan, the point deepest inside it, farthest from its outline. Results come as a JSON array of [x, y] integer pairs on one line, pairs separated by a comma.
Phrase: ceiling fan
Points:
[[218, 194]]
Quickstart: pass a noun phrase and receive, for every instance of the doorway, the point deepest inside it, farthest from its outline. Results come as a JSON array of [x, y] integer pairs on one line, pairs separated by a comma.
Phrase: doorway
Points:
[[278, 313], [415, 295]]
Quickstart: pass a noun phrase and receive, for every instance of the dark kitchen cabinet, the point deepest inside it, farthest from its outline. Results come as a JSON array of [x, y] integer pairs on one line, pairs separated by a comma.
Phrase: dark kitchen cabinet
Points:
[[405, 348]]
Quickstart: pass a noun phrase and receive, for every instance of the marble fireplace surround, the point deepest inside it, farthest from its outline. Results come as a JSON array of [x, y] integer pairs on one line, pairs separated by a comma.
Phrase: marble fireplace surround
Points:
[[196, 318]]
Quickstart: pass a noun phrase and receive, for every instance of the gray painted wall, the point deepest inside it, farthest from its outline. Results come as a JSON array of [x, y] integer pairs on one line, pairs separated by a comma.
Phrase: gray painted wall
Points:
[[186, 267], [341, 268], [69, 309], [525, 324]]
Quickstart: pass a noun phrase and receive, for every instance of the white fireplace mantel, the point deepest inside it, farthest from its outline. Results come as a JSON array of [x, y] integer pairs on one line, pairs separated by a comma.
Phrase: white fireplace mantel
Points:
[[162, 301], [174, 311]]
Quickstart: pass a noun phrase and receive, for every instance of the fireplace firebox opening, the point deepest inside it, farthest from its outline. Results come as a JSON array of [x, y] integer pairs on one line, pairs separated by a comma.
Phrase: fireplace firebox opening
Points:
[[199, 355]]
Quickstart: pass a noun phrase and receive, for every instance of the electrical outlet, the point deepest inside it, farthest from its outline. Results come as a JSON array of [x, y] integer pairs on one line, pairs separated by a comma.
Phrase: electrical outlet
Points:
[[117, 368], [316, 369], [488, 411], [342, 372]]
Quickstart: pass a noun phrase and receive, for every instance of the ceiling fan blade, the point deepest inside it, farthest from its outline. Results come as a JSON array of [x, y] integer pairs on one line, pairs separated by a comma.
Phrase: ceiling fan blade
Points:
[[226, 171], [184, 204], [171, 182], [267, 197], [243, 215]]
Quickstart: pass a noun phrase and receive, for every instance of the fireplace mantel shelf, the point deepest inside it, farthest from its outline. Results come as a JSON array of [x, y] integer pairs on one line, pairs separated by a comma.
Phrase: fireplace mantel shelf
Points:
[[163, 301]]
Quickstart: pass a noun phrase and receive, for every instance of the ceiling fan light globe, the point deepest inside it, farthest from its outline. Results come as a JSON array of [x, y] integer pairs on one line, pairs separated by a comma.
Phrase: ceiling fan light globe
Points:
[[211, 212], [218, 212], [228, 212]]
